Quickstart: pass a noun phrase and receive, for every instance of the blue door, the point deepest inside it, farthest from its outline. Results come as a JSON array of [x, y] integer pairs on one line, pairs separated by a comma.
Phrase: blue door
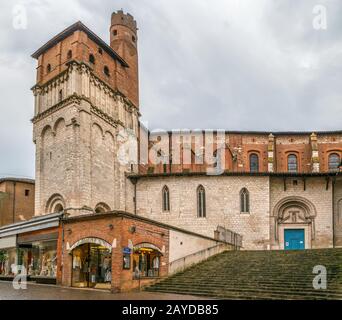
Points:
[[294, 239]]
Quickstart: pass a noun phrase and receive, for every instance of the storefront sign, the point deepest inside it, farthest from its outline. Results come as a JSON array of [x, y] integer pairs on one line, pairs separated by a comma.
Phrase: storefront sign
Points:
[[92, 240], [126, 250], [9, 242]]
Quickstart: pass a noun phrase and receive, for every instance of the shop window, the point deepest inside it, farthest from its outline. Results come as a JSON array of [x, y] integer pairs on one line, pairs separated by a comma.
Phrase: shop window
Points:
[[91, 59], [91, 266], [39, 258], [244, 201], [106, 71], [166, 199], [334, 162], [201, 205], [8, 262], [146, 262], [292, 163], [254, 163]]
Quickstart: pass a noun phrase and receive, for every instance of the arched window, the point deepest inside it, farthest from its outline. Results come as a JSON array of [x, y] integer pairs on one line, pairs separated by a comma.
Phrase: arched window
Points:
[[91, 59], [201, 206], [244, 201], [166, 199], [58, 208], [254, 163], [334, 161], [48, 68], [292, 164], [106, 71], [102, 208], [69, 56]]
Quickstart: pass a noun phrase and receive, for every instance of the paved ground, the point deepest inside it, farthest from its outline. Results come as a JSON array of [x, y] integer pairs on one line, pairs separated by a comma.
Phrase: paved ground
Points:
[[47, 292]]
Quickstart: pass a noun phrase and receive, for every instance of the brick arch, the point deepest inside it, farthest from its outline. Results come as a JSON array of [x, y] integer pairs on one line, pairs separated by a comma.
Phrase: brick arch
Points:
[[94, 240]]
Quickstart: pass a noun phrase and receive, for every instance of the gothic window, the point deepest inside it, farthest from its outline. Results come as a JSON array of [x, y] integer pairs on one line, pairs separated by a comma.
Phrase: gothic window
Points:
[[69, 56], [254, 163], [166, 199], [201, 205], [292, 164], [244, 201], [106, 71], [91, 59], [48, 68], [334, 161]]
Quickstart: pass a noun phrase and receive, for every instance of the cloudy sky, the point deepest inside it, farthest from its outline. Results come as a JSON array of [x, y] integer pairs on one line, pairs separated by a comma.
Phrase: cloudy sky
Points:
[[230, 64]]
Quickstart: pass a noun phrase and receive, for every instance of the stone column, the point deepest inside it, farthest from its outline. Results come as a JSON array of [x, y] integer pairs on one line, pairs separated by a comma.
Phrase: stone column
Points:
[[314, 154], [271, 150]]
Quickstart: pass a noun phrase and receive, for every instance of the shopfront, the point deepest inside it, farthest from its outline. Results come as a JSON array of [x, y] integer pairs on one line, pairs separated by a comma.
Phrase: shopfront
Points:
[[146, 260], [91, 264], [30, 247]]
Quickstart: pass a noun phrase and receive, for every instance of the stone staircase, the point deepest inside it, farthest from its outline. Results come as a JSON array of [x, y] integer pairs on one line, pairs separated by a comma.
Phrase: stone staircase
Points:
[[259, 275]]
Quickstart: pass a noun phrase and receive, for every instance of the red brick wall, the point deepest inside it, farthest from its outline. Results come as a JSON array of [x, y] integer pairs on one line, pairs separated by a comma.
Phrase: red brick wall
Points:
[[15, 206]]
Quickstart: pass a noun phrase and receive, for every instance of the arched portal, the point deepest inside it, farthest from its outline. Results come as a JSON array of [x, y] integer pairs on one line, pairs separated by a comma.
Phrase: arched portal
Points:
[[91, 263], [294, 223]]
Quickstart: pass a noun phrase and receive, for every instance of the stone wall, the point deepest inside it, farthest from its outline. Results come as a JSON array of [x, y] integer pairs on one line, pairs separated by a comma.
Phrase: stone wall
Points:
[[222, 205]]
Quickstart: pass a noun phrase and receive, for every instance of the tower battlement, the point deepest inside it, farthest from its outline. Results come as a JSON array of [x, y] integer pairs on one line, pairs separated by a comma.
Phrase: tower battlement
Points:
[[125, 19]]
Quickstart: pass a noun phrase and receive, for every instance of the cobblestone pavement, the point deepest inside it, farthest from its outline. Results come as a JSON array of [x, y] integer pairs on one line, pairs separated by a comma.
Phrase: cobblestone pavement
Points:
[[49, 292]]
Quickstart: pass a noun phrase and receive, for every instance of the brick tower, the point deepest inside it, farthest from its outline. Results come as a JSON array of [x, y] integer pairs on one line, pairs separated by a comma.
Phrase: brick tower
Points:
[[124, 41], [86, 97]]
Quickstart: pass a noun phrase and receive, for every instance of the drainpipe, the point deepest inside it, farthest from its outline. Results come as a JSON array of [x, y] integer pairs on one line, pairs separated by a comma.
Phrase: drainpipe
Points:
[[135, 196], [333, 209], [14, 191]]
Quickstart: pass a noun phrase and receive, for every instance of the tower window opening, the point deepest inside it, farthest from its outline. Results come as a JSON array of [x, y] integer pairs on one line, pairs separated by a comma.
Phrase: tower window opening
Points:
[[106, 71], [69, 56], [133, 38], [100, 51], [48, 68], [115, 33], [91, 59]]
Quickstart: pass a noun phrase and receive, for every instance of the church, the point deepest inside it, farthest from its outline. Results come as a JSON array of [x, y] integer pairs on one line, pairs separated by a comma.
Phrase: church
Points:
[[116, 202]]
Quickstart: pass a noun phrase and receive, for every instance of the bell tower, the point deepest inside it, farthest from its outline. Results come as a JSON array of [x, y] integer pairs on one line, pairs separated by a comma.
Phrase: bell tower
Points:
[[124, 41]]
